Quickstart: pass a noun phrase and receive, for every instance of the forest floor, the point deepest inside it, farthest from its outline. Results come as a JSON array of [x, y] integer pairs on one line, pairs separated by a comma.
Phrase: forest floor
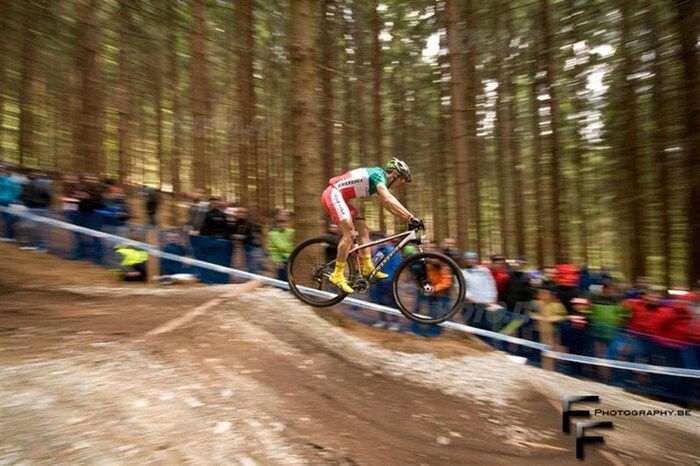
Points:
[[94, 372]]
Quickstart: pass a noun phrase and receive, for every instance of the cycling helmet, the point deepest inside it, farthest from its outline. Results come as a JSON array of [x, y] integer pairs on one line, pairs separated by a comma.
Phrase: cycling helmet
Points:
[[400, 166]]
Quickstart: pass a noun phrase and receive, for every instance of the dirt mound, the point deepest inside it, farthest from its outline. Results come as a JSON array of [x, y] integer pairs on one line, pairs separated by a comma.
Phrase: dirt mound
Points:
[[262, 379]]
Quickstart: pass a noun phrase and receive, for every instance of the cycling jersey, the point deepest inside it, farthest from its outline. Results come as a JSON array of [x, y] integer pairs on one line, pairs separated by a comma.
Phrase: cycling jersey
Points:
[[360, 182]]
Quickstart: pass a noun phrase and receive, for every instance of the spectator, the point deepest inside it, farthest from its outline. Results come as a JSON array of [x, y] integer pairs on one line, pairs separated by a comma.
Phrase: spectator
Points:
[[643, 318], [213, 243], [481, 291], [173, 244], [248, 233], [549, 274], [567, 278], [500, 275], [519, 291], [89, 193], [132, 266], [382, 292], [550, 313], [449, 248], [196, 213], [641, 285], [36, 196], [10, 191], [574, 335], [280, 243], [586, 279], [440, 277], [607, 315], [69, 201], [215, 224], [691, 301], [115, 212]]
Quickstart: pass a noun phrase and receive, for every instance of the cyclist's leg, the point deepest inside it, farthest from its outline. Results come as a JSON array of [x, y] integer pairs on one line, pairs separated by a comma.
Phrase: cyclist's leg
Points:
[[340, 213], [363, 234], [347, 239], [366, 254]]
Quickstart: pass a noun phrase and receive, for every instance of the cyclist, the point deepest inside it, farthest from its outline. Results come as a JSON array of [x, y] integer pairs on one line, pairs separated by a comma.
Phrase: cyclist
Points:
[[362, 182]]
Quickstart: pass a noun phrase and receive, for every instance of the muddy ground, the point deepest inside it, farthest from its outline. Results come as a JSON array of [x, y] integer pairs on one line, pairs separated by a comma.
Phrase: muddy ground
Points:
[[91, 372]]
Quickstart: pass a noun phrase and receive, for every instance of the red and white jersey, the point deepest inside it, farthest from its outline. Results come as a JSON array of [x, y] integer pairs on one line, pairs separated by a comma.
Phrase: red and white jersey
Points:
[[360, 182]]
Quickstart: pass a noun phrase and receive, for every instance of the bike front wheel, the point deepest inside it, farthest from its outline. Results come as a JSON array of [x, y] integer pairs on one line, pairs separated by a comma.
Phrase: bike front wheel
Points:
[[428, 287]]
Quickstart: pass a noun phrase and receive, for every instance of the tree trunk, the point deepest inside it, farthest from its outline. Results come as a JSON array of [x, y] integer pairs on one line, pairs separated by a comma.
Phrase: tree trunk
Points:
[[123, 91], [158, 105], [377, 95], [575, 35], [5, 24], [548, 53], [442, 222], [659, 138], [501, 132], [26, 90], [200, 97], [473, 164], [514, 136], [632, 195], [537, 155], [687, 19], [89, 131], [360, 86], [174, 74], [399, 133], [246, 95], [327, 46], [459, 128], [348, 96], [304, 119]]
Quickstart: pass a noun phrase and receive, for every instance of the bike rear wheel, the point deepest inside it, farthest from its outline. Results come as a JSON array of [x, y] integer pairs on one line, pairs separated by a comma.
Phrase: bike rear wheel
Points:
[[310, 264], [428, 287]]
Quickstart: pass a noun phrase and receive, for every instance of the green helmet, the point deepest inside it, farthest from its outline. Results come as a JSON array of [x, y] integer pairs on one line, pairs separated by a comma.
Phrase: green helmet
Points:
[[400, 166]]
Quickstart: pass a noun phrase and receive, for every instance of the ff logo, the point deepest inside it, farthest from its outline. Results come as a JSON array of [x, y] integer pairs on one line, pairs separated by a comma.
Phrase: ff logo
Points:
[[581, 438]]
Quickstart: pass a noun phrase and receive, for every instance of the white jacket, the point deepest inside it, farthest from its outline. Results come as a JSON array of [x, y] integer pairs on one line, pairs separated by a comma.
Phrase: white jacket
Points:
[[481, 287]]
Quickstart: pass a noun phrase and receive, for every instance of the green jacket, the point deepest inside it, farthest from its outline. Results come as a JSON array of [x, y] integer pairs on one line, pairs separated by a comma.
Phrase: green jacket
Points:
[[280, 243], [607, 316], [130, 255]]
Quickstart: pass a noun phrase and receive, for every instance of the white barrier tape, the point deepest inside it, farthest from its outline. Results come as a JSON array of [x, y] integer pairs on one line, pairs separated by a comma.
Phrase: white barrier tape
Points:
[[632, 366], [546, 349]]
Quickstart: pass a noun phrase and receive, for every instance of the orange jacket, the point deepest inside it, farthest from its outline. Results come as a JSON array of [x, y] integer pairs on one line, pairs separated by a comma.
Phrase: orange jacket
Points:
[[439, 277]]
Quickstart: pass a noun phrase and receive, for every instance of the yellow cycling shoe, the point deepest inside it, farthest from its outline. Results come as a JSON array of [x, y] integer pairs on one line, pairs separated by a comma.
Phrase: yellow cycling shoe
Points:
[[339, 280], [367, 271]]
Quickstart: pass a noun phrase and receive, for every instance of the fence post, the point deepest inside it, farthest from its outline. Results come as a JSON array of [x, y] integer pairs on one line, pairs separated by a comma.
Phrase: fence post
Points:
[[153, 238], [547, 337]]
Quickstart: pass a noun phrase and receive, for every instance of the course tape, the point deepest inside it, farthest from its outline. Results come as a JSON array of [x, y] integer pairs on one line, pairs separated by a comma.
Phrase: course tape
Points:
[[546, 349]]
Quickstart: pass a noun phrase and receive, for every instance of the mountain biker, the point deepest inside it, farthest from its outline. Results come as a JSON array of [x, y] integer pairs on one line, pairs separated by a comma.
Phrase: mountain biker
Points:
[[362, 182]]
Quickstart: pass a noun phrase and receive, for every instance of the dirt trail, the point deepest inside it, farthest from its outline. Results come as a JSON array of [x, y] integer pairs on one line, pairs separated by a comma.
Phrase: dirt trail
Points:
[[262, 379]]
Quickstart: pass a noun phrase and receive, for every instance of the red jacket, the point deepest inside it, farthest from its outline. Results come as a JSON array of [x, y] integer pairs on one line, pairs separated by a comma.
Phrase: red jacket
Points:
[[673, 323], [663, 321], [566, 275], [501, 277]]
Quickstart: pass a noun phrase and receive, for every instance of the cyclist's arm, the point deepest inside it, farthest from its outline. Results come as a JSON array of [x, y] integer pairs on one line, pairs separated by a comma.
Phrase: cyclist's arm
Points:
[[392, 204]]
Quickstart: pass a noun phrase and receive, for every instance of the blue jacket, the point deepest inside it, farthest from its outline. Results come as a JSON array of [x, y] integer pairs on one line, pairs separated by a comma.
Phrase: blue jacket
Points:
[[393, 264], [9, 190]]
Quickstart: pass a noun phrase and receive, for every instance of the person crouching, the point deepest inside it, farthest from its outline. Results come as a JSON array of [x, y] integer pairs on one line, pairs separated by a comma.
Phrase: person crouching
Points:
[[132, 267]]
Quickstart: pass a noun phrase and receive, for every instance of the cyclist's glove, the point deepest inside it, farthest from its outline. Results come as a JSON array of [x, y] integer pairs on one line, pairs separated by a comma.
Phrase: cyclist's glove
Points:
[[416, 224]]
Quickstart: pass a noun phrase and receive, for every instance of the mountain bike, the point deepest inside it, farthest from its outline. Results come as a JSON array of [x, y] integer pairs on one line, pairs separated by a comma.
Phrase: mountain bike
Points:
[[428, 287]]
